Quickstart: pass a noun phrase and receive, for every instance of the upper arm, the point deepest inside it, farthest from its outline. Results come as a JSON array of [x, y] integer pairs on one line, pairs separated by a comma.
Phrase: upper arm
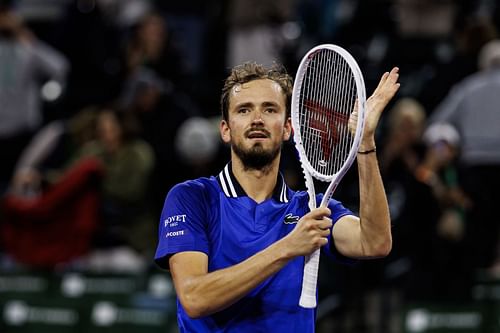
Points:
[[345, 240], [186, 265], [49, 61], [346, 234], [183, 223]]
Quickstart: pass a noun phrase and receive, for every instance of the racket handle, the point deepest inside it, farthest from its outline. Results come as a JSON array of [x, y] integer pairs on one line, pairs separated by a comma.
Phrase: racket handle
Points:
[[310, 281]]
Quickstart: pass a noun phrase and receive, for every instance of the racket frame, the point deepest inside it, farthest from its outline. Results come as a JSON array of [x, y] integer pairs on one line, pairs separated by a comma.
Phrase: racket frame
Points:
[[308, 293]]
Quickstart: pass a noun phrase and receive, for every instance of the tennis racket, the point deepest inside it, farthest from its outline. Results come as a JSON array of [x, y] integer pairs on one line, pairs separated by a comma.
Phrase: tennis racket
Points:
[[328, 112]]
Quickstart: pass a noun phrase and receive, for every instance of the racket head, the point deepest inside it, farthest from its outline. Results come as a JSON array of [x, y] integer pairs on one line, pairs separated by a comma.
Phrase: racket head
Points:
[[327, 85]]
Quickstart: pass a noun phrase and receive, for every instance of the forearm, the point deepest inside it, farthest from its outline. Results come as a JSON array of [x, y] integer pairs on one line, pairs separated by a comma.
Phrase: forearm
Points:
[[49, 60], [208, 293], [375, 225]]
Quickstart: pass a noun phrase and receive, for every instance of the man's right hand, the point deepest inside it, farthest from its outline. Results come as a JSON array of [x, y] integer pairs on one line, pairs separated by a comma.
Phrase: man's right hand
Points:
[[310, 233]]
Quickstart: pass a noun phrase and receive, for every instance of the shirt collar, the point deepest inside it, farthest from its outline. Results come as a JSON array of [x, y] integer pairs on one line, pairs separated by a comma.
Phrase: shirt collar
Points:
[[233, 189]]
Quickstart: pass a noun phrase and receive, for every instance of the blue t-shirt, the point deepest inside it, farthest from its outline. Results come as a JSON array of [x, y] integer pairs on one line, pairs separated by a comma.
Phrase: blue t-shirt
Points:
[[216, 217]]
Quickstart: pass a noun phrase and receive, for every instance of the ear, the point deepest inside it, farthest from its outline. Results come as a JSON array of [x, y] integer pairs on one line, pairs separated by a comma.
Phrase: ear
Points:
[[287, 130], [225, 131]]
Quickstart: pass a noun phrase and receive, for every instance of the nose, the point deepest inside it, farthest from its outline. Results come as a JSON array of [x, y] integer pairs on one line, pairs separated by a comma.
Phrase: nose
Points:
[[257, 119]]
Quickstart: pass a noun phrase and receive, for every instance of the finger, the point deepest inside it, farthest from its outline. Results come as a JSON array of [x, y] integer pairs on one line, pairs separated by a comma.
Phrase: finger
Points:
[[355, 108], [390, 86], [394, 70], [394, 75], [384, 78], [354, 114], [353, 119], [325, 232], [324, 241], [389, 77], [325, 223], [381, 83], [319, 213]]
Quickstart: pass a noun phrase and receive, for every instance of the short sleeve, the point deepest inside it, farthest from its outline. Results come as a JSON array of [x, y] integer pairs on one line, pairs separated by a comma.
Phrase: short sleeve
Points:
[[338, 210], [183, 222]]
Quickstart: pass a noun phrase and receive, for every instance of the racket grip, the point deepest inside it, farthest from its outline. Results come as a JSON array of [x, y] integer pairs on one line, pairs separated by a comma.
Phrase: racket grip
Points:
[[310, 281]]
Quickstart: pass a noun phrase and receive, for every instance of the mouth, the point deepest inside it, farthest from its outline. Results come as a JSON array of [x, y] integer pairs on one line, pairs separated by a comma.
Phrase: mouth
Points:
[[257, 134]]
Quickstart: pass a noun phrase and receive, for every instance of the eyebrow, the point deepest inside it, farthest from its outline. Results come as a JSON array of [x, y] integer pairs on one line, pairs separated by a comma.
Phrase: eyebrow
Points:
[[244, 105], [270, 104], [250, 104]]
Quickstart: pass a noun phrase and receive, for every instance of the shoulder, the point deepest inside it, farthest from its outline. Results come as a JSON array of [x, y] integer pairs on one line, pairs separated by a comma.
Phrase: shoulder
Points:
[[140, 145], [141, 150], [200, 188], [304, 196], [298, 195], [91, 148], [298, 199], [195, 197], [475, 82]]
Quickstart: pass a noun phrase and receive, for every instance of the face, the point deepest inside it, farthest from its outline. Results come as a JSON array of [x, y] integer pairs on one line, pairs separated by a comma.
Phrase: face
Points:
[[443, 152], [108, 129], [257, 123], [153, 30]]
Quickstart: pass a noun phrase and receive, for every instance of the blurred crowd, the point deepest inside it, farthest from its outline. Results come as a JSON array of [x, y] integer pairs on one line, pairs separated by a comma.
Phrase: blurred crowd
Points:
[[106, 104]]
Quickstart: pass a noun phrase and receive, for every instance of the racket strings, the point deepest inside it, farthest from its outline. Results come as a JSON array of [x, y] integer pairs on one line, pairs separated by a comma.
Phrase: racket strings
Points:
[[326, 102]]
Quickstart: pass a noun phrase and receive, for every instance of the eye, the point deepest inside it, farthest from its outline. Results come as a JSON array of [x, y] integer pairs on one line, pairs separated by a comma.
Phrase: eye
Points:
[[271, 110], [243, 110]]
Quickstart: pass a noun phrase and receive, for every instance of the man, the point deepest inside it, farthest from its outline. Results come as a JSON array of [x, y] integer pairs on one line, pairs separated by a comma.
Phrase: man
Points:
[[471, 106], [25, 63], [235, 243]]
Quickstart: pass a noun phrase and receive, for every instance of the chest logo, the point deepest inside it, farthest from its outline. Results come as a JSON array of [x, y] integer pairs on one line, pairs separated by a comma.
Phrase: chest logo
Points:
[[291, 219]]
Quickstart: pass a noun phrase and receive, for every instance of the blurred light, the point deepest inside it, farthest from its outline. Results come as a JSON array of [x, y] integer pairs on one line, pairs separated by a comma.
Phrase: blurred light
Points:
[[160, 286], [104, 314], [377, 48], [417, 320], [444, 52], [16, 313], [197, 140], [51, 91], [291, 30], [73, 285]]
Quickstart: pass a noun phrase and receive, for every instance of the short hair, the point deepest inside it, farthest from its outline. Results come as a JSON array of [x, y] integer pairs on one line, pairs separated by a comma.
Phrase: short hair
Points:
[[250, 71], [489, 56], [406, 108]]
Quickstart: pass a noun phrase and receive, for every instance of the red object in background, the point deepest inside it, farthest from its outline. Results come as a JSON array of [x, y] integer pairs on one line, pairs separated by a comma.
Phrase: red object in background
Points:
[[57, 226]]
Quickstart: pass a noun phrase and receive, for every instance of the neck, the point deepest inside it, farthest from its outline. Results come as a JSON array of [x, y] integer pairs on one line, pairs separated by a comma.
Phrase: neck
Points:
[[257, 184]]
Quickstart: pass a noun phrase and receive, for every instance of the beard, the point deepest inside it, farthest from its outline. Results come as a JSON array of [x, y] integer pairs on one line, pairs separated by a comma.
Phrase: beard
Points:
[[256, 158]]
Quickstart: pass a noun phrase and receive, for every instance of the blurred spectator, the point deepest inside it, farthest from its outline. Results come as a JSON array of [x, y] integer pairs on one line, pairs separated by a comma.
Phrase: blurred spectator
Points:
[[424, 17], [151, 46], [123, 13], [57, 226], [91, 38], [373, 292], [161, 111], [50, 151], [254, 30], [472, 108], [403, 275], [404, 130], [118, 220], [438, 170], [25, 64], [469, 36], [143, 92], [51, 212], [128, 162], [157, 93]]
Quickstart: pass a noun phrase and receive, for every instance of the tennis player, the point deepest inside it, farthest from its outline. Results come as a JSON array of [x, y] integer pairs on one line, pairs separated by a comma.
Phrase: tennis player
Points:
[[235, 243]]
